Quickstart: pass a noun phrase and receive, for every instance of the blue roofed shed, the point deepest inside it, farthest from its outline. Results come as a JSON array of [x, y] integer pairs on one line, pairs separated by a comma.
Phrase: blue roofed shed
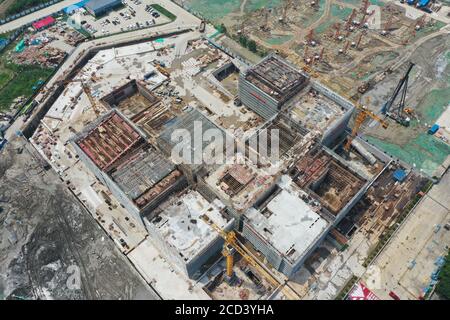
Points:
[[399, 175], [101, 7]]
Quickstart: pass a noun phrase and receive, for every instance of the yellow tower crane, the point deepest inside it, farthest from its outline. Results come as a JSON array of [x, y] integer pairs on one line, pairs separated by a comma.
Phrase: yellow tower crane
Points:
[[363, 114], [87, 91], [93, 102], [231, 242]]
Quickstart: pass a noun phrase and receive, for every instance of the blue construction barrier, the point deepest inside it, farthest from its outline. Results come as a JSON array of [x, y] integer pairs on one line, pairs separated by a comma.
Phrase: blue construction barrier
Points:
[[74, 7]]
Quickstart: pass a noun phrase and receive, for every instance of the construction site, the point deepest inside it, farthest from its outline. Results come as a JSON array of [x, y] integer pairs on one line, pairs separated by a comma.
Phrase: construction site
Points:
[[243, 222], [308, 31], [359, 49], [122, 140], [29, 57], [137, 174]]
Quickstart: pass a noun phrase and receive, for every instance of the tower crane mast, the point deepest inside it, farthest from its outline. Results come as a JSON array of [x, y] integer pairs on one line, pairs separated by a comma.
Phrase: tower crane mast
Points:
[[232, 242], [88, 93]]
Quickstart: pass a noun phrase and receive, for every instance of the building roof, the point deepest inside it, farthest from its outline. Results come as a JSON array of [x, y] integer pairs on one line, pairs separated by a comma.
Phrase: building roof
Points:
[[361, 292], [191, 121], [75, 6], [100, 4], [276, 77], [399, 175], [47, 21], [179, 223], [141, 170], [107, 141], [288, 224]]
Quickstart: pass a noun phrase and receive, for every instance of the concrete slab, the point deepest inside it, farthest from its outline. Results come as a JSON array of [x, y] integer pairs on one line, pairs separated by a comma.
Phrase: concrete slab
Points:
[[406, 264], [159, 274]]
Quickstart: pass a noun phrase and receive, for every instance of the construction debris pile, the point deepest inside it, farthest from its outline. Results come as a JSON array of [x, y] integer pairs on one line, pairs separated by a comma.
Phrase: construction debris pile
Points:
[[41, 55]]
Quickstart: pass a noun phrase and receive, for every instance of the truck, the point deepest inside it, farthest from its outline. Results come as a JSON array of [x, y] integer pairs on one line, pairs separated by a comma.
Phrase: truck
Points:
[[433, 129], [394, 296], [423, 3]]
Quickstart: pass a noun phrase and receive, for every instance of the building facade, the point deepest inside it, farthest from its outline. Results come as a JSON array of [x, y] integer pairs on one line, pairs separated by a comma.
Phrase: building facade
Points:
[[101, 7]]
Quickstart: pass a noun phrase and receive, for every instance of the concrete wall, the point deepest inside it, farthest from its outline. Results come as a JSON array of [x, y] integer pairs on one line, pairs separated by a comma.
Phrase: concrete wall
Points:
[[256, 100], [213, 249], [115, 97], [190, 267], [168, 251], [272, 256], [40, 111], [289, 269], [179, 185], [109, 183], [339, 127]]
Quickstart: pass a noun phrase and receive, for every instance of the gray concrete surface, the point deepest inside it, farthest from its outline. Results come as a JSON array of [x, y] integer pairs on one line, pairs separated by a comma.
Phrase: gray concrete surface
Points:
[[47, 238], [407, 262]]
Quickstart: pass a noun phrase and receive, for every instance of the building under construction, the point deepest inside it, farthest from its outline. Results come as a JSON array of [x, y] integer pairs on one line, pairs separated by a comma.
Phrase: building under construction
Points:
[[274, 85], [285, 228], [192, 148], [283, 207], [326, 178], [287, 223], [182, 236], [267, 86], [138, 103], [138, 175]]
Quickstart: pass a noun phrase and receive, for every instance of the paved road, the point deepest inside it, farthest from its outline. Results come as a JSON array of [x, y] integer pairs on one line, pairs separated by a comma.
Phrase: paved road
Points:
[[36, 15], [185, 20]]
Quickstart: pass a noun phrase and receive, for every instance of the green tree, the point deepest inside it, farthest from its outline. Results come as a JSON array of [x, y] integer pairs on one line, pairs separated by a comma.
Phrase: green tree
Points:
[[243, 40], [443, 287], [222, 28], [252, 46]]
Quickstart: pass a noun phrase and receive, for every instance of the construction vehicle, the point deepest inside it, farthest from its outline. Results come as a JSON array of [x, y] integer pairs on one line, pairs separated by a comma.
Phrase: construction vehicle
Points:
[[398, 112], [162, 70], [363, 114], [232, 243], [202, 26]]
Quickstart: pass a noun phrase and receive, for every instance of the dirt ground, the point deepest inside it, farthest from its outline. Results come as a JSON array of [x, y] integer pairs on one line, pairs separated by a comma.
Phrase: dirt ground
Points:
[[4, 5], [428, 95], [408, 261], [47, 238]]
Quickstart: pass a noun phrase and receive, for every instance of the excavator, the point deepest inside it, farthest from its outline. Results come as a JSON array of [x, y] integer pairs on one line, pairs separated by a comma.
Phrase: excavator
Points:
[[233, 243]]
